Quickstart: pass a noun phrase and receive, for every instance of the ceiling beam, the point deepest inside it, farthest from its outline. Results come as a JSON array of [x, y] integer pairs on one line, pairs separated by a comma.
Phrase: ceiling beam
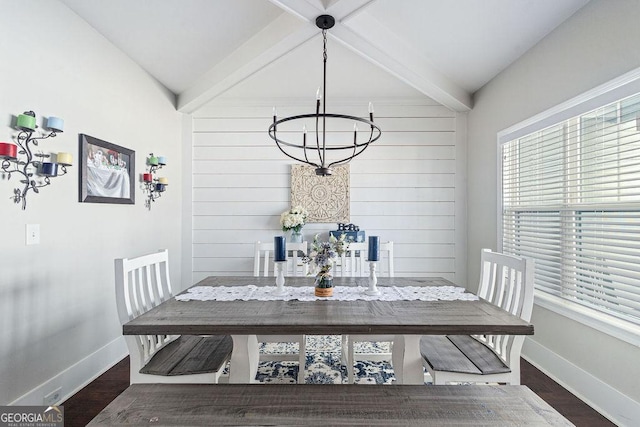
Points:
[[392, 54], [379, 46], [383, 48], [275, 40]]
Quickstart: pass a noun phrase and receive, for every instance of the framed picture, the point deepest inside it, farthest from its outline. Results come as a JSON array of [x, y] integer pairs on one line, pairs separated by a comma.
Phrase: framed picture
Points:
[[106, 172]]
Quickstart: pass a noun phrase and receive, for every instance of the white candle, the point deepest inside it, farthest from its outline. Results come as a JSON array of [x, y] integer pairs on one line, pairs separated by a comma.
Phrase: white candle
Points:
[[318, 95]]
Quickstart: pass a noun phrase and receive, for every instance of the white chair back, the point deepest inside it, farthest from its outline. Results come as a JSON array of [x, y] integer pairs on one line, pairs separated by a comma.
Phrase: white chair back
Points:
[[141, 284], [263, 259], [507, 281], [353, 262]]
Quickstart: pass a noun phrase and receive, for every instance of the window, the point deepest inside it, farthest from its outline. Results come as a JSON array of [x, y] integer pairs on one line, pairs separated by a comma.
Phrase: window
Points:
[[570, 199]]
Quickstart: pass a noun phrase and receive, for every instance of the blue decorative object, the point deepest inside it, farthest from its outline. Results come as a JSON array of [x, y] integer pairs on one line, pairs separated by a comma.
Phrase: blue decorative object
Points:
[[279, 248], [351, 231], [374, 248]]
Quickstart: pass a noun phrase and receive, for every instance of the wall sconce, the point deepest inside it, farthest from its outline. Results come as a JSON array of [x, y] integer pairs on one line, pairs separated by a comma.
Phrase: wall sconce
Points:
[[19, 159], [154, 187]]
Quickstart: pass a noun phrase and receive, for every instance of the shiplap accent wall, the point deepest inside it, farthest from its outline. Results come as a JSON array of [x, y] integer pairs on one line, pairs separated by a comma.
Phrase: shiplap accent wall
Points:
[[404, 188]]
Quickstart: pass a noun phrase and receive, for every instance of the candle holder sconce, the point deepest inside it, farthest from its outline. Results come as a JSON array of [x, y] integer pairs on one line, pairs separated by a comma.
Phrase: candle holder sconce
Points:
[[154, 187], [19, 158]]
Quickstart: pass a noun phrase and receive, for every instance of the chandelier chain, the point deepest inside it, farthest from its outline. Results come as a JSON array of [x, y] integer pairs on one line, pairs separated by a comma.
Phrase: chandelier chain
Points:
[[324, 45]]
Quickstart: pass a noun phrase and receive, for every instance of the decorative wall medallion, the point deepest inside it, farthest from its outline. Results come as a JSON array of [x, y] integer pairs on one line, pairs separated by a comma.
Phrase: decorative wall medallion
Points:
[[326, 198]]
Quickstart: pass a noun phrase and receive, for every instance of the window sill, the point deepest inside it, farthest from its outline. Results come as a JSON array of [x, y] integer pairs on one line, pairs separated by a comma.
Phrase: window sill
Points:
[[617, 328]]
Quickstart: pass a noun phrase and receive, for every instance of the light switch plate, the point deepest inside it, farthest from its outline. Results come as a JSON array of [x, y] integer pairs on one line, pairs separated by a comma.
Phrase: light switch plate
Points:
[[33, 234]]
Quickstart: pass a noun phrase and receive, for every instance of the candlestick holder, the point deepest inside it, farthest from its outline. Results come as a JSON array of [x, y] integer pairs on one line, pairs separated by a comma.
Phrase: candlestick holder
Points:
[[279, 266], [154, 187], [373, 280], [21, 160]]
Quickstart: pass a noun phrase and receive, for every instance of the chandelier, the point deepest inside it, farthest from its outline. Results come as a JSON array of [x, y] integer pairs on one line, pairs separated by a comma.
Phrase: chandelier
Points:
[[326, 151]]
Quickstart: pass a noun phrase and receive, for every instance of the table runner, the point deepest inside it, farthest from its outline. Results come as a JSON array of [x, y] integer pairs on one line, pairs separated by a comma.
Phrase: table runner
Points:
[[340, 293]]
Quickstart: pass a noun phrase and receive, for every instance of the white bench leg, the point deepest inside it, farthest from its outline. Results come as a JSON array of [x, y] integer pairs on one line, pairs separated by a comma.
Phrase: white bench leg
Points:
[[244, 359]]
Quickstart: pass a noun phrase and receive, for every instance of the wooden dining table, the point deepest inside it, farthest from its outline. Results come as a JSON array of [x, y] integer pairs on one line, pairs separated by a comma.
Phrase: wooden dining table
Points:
[[406, 320]]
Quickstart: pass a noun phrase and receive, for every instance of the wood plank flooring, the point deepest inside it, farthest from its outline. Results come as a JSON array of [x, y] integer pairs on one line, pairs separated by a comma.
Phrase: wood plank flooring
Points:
[[88, 402]]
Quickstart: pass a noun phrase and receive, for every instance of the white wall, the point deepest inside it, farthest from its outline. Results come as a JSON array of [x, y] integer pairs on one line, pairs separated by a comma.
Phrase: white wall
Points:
[[408, 187], [57, 305], [403, 188], [599, 43]]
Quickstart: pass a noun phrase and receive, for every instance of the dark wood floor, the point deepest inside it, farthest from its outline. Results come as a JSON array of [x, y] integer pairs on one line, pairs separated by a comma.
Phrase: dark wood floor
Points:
[[88, 402]]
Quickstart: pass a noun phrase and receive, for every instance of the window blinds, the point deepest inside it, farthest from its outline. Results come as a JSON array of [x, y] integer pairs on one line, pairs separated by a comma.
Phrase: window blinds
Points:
[[571, 201]]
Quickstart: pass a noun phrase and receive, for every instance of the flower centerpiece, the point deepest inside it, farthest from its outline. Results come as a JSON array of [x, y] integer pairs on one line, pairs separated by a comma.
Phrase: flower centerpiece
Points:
[[294, 219], [321, 259]]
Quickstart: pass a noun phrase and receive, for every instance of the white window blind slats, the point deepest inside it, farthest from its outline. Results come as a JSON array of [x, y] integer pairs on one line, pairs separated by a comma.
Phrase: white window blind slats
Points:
[[571, 201]]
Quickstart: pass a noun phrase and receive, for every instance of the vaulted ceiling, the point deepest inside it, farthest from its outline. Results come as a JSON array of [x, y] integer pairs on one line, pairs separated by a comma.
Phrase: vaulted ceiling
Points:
[[446, 50]]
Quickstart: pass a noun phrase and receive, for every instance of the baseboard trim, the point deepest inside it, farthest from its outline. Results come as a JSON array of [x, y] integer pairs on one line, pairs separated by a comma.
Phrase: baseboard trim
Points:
[[78, 375], [611, 403]]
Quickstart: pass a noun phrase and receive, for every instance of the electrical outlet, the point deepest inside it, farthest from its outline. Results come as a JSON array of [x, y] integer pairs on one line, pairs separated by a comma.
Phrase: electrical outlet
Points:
[[53, 397], [33, 234]]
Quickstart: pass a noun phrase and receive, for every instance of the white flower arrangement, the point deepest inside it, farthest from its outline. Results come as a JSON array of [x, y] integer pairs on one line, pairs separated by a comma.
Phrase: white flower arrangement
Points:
[[293, 219]]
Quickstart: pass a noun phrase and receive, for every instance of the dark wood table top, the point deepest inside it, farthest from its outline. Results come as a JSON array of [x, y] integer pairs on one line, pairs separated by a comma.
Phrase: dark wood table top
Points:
[[326, 317]]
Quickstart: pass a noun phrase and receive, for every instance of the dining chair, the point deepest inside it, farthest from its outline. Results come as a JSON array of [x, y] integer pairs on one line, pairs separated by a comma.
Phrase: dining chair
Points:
[[141, 284], [506, 281], [359, 251], [263, 254], [263, 265]]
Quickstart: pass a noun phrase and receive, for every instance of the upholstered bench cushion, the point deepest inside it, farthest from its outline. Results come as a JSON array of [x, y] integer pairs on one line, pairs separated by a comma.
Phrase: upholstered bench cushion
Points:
[[460, 353], [190, 355]]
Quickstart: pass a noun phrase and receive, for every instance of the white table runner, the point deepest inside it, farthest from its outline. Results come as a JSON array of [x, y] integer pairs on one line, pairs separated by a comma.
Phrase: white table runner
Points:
[[340, 293]]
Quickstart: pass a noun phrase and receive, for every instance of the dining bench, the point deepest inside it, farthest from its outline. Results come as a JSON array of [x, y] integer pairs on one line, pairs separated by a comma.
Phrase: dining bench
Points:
[[332, 404]]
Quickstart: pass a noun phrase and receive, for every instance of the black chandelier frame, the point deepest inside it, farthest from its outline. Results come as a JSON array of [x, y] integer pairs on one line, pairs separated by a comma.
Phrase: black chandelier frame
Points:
[[323, 167]]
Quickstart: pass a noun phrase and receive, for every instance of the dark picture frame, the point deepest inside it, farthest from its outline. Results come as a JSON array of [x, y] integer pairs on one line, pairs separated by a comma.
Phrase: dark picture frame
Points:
[[107, 172]]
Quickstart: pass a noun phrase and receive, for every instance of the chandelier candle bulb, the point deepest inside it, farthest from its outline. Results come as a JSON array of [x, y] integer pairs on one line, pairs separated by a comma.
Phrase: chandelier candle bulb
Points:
[[318, 95], [55, 124], [279, 249], [65, 159], [274, 119]]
